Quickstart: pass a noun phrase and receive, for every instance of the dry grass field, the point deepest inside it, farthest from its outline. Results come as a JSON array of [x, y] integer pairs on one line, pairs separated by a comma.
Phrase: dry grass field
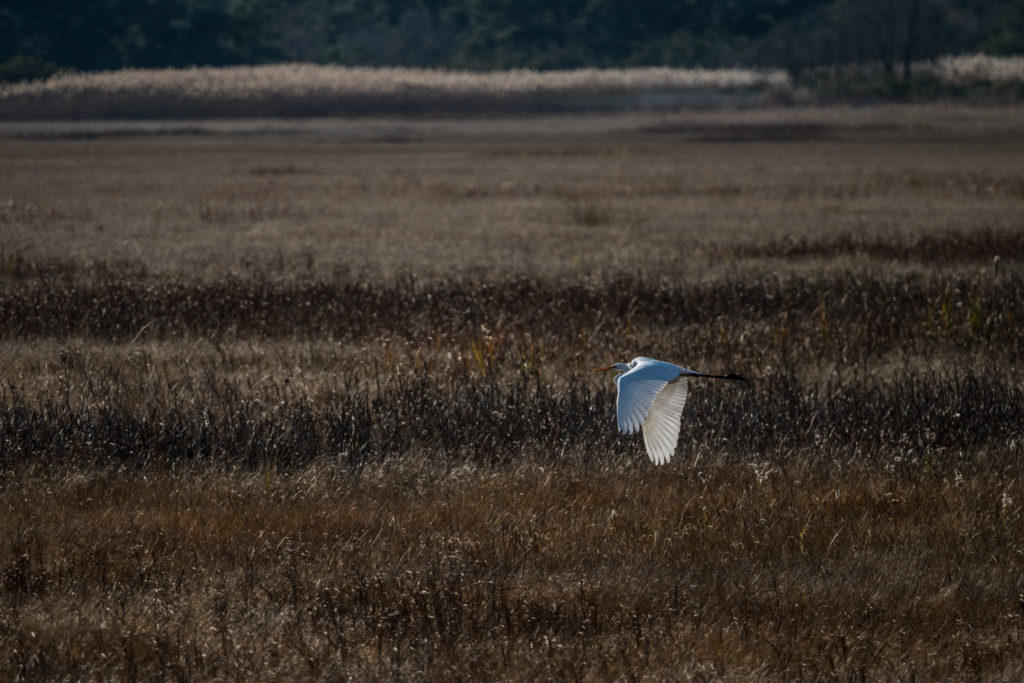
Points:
[[311, 399]]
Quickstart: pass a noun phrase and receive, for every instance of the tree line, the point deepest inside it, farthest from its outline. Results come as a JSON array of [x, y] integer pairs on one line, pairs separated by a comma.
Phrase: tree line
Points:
[[798, 35]]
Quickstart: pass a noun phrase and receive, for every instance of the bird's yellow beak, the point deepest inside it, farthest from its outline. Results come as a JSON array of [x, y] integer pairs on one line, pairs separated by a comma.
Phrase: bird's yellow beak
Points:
[[604, 368]]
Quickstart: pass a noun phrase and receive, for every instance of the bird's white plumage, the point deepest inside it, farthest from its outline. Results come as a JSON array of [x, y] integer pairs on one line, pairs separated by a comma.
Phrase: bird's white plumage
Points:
[[638, 387], [661, 428], [652, 394], [651, 397]]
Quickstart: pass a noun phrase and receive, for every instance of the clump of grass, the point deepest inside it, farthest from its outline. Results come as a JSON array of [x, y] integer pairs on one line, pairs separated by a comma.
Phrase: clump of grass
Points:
[[966, 69], [977, 78], [589, 215]]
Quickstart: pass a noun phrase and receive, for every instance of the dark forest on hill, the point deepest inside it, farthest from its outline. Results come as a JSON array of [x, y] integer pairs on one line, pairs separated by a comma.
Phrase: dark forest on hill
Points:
[[798, 35]]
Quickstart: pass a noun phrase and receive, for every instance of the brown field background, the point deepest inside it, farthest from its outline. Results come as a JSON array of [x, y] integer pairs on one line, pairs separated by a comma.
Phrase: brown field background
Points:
[[311, 399]]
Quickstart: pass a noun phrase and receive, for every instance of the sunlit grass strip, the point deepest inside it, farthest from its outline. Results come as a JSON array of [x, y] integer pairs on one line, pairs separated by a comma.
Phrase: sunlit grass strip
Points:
[[310, 89], [304, 79], [318, 90]]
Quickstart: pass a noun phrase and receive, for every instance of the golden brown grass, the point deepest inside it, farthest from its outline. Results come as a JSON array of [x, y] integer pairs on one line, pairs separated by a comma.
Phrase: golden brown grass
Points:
[[312, 400], [605, 573]]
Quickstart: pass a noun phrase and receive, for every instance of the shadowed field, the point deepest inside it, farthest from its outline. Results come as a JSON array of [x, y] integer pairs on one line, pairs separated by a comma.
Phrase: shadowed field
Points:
[[314, 400]]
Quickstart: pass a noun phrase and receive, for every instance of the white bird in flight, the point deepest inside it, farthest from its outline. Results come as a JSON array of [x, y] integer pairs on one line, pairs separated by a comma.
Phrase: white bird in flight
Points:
[[652, 394]]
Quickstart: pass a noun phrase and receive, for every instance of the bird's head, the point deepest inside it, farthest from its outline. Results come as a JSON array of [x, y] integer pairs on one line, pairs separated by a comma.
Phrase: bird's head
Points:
[[617, 367]]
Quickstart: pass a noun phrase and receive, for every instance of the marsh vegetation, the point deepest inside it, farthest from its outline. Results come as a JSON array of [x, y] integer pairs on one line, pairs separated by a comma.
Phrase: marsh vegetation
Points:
[[313, 399]]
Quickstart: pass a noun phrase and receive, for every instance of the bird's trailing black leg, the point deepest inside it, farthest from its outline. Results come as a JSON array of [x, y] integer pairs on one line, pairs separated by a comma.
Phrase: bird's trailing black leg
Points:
[[731, 376]]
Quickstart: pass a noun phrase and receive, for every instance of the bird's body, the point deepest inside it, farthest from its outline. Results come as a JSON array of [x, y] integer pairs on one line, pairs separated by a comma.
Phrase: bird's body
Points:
[[652, 394]]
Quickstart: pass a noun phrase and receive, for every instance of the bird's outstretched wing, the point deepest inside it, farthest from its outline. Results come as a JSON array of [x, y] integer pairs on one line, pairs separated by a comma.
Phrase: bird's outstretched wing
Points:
[[661, 428], [637, 390]]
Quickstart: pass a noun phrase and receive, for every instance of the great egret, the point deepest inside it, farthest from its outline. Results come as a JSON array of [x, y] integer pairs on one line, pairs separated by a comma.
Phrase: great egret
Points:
[[652, 394]]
